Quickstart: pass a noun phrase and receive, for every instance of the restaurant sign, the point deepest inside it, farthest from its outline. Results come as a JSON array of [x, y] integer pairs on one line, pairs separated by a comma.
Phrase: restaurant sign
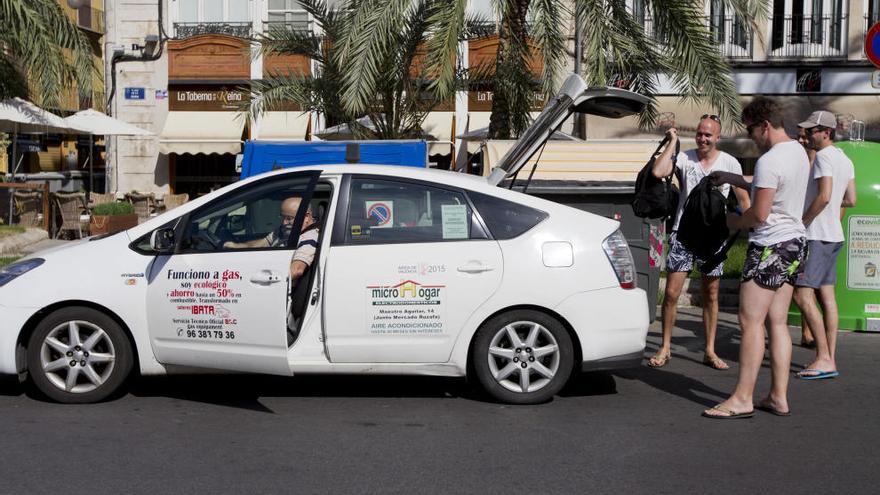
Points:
[[200, 99], [481, 101]]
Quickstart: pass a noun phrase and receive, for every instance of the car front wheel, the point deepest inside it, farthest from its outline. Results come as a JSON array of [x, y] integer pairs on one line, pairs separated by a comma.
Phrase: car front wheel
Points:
[[78, 355], [522, 357]]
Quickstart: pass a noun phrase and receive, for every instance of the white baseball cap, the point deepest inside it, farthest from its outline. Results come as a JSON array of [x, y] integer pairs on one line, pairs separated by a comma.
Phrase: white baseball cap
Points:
[[820, 117]]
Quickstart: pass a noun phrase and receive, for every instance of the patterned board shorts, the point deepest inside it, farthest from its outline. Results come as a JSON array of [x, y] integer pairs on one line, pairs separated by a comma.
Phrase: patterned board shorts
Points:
[[681, 259], [775, 265]]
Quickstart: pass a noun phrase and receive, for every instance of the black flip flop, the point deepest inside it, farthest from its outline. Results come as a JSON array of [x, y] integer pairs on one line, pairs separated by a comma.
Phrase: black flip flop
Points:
[[729, 414]]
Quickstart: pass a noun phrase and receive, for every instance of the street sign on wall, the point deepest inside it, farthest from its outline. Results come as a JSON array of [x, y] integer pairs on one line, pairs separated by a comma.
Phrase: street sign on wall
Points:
[[135, 93], [872, 44]]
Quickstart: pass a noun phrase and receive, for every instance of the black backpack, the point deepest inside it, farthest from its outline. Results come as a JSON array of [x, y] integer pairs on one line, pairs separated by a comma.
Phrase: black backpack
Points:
[[656, 198], [703, 225]]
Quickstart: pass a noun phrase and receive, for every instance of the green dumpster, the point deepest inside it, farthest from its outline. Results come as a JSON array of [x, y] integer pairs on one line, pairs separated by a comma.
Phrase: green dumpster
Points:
[[858, 266]]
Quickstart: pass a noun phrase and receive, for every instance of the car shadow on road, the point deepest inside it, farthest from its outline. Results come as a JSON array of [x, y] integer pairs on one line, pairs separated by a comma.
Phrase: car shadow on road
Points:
[[585, 384], [245, 391], [10, 386]]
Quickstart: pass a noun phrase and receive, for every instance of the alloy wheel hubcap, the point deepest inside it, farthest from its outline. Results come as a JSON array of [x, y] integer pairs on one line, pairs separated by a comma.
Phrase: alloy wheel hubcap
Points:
[[523, 357], [77, 357]]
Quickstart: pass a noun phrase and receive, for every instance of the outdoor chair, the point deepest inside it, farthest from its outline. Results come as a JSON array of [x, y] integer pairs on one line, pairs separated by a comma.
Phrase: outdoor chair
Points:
[[28, 206], [143, 203], [71, 206], [171, 201]]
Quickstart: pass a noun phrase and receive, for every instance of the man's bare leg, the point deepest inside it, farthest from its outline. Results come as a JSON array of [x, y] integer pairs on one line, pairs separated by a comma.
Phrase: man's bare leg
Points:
[[780, 349], [709, 287], [831, 320], [754, 305], [805, 299], [669, 312]]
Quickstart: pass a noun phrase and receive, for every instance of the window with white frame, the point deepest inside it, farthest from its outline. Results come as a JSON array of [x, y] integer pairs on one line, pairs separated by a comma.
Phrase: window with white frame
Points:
[[727, 28], [213, 10], [226, 16], [287, 13]]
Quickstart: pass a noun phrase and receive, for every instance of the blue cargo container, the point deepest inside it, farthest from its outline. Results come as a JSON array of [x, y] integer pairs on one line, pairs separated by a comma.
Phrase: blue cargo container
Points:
[[263, 156]]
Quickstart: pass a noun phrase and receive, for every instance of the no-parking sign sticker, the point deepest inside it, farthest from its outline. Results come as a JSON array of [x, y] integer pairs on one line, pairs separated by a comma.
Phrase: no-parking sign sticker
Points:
[[872, 44], [382, 212]]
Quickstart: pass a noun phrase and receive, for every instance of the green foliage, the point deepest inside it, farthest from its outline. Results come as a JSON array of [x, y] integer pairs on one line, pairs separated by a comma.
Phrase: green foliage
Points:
[[617, 51], [42, 52], [6, 260], [112, 209], [398, 101]]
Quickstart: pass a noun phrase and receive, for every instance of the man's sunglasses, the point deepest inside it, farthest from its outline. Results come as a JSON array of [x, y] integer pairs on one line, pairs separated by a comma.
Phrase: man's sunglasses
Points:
[[752, 127], [711, 116]]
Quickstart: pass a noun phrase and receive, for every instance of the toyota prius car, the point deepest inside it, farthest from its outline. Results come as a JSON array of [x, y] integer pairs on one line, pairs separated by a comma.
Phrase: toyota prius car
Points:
[[415, 271]]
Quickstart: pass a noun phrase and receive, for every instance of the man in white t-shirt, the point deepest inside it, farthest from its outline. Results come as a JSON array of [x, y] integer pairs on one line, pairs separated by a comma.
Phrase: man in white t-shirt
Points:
[[777, 247], [692, 167], [832, 185]]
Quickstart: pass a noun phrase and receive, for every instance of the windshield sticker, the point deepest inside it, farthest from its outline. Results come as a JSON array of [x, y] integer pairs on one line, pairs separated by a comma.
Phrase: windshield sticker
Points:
[[407, 308], [454, 220], [204, 303], [382, 212]]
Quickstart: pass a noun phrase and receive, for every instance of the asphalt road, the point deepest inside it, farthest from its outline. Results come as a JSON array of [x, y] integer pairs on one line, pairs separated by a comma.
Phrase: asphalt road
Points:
[[638, 431]]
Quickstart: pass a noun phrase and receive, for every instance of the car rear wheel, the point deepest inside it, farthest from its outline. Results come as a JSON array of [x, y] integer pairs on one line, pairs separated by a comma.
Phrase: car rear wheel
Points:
[[78, 355], [522, 357]]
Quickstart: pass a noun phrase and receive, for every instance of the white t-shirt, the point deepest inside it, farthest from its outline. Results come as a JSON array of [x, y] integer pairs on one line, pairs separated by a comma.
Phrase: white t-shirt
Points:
[[692, 172], [785, 168], [830, 162]]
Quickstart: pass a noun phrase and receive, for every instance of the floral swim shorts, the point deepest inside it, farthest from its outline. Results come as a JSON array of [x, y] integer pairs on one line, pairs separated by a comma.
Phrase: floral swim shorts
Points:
[[774, 265]]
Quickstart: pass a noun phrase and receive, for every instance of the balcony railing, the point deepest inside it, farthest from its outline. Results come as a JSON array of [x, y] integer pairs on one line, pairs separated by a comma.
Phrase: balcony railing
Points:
[[804, 36], [190, 29], [732, 36], [298, 26]]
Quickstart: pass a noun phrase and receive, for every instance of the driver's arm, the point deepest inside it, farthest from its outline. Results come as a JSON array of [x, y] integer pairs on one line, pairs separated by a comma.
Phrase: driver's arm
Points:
[[256, 243], [297, 268]]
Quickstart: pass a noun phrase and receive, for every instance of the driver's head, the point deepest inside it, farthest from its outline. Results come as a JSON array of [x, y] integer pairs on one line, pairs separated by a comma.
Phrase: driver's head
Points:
[[289, 208]]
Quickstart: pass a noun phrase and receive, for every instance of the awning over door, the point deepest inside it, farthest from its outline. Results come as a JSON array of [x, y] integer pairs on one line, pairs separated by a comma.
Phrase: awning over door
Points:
[[284, 126], [201, 132]]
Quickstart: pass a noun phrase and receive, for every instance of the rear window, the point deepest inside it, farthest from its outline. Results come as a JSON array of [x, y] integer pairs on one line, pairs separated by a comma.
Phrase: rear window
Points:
[[505, 219]]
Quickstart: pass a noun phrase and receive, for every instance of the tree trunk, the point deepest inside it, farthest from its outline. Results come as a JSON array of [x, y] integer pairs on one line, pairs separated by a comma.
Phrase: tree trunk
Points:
[[508, 60]]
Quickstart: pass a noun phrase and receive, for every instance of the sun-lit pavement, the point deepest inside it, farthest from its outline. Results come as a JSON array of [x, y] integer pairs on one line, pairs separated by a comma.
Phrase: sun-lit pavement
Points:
[[637, 431]]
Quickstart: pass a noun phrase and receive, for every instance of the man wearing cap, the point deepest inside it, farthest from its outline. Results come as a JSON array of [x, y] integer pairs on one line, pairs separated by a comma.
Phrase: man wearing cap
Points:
[[831, 185]]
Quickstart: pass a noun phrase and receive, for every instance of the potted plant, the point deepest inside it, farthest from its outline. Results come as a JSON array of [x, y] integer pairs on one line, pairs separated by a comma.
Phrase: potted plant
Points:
[[108, 218]]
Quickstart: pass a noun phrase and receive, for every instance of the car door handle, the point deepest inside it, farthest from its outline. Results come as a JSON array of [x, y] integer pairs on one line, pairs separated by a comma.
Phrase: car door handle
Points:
[[265, 277], [475, 267]]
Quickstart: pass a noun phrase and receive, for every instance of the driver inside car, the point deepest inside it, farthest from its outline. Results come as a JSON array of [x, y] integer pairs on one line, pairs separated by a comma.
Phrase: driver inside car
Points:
[[306, 244]]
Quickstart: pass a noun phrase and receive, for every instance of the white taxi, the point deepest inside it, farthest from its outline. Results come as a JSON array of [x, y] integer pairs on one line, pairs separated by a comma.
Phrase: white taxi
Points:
[[415, 272]]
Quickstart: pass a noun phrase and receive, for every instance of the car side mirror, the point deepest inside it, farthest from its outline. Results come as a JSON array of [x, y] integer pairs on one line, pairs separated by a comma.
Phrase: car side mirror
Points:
[[162, 240]]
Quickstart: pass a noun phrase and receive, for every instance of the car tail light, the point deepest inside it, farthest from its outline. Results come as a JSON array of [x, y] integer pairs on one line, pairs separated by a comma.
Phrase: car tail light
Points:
[[621, 259]]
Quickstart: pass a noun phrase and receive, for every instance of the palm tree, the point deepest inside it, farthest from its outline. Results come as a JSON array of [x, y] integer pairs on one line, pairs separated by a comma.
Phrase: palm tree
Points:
[[617, 50], [398, 104], [42, 53]]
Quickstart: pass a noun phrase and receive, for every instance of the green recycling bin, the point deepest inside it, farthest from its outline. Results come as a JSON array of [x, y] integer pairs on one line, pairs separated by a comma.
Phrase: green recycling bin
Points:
[[858, 265]]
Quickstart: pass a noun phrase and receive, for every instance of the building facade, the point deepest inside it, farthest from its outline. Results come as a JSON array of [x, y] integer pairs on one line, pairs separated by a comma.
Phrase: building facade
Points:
[[186, 91]]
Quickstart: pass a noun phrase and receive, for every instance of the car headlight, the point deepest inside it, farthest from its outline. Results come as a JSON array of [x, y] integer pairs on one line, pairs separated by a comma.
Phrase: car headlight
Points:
[[10, 272]]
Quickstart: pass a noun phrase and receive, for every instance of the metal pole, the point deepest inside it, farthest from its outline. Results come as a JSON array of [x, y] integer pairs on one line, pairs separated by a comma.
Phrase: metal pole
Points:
[[14, 166], [91, 168], [580, 120]]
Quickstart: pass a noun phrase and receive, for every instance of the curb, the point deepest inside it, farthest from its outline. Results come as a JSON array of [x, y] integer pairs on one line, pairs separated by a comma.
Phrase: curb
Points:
[[728, 293], [13, 244]]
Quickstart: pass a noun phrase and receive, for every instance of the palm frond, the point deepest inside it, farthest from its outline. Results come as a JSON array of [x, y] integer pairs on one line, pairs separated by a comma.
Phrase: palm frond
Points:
[[548, 17], [448, 26]]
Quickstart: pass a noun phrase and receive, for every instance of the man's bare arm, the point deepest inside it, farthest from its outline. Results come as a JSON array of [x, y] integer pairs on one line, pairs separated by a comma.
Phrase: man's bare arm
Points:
[[663, 163], [849, 197], [820, 202]]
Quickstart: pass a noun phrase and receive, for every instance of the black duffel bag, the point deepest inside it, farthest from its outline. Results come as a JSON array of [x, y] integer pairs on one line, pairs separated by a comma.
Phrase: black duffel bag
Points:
[[656, 198]]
